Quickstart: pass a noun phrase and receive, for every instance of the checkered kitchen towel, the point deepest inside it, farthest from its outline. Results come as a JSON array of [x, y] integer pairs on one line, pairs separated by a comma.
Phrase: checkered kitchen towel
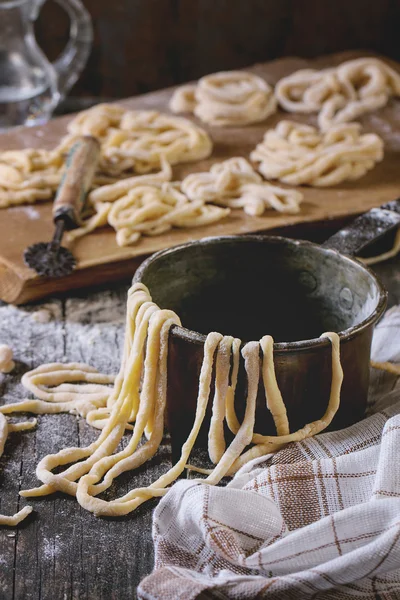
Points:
[[319, 519]]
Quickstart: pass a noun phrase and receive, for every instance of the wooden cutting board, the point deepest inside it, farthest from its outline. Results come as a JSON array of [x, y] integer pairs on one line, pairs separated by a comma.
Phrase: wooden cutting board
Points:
[[99, 257]]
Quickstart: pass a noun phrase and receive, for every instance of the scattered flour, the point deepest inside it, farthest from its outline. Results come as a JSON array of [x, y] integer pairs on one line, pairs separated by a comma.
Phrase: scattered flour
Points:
[[29, 211], [50, 549], [102, 307]]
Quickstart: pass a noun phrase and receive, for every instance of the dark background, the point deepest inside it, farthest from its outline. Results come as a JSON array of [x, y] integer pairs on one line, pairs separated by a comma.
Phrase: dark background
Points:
[[143, 45]]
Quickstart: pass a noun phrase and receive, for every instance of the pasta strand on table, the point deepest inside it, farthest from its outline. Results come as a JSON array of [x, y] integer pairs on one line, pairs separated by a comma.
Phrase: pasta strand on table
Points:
[[76, 388]]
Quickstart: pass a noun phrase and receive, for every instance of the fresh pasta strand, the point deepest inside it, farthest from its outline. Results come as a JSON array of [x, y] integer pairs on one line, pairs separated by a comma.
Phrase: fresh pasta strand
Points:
[[234, 460], [124, 408], [31, 175], [226, 98], [216, 438], [235, 184], [151, 210], [298, 154], [100, 200], [136, 140], [265, 444], [373, 260], [131, 142], [17, 518], [134, 498], [339, 94], [183, 99], [133, 306], [28, 175], [244, 435], [230, 414], [114, 191], [138, 400], [386, 366], [273, 396], [145, 205], [59, 388]]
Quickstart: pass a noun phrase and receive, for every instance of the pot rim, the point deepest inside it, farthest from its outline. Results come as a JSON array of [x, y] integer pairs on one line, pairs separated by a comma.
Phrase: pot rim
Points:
[[280, 347]]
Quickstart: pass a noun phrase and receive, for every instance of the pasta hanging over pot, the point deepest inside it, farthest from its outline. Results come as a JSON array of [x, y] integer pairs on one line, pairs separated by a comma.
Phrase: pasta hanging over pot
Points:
[[138, 402]]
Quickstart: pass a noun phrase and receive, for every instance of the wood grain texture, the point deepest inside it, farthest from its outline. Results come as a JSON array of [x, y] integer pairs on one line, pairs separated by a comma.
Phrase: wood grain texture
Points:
[[142, 45], [99, 257], [61, 551]]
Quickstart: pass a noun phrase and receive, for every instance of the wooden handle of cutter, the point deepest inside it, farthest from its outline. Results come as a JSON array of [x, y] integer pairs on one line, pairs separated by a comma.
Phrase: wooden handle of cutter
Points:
[[81, 165]]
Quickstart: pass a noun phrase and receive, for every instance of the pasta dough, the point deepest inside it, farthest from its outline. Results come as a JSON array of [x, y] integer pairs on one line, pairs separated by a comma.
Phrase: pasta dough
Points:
[[339, 94], [299, 154], [226, 98], [184, 99], [138, 400], [235, 184], [152, 210], [146, 205], [150, 205], [136, 140], [131, 141], [6, 359], [5, 429], [29, 175]]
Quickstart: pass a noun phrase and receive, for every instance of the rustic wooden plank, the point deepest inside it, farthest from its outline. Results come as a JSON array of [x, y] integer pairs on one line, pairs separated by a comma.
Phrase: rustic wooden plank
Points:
[[99, 259]]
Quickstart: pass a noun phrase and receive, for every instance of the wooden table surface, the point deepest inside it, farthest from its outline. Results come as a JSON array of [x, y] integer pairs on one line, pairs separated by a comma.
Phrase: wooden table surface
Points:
[[62, 552]]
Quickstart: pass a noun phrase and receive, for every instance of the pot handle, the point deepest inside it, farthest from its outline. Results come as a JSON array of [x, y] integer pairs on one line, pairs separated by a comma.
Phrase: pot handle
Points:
[[366, 229]]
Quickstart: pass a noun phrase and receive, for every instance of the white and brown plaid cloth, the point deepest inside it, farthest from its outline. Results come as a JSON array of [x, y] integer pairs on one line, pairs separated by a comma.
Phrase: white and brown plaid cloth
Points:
[[319, 519]]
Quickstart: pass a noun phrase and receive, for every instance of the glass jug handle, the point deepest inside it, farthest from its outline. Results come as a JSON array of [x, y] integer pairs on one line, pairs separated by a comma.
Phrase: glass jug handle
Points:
[[72, 60]]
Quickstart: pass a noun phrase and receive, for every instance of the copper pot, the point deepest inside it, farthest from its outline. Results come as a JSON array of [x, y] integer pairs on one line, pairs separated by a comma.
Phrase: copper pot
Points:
[[249, 286]]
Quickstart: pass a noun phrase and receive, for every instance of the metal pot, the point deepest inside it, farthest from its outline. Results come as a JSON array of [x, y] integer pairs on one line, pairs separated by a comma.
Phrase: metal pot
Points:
[[249, 286]]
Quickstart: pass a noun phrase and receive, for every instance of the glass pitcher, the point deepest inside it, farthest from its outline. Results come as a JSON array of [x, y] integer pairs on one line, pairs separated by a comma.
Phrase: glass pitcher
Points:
[[30, 86]]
